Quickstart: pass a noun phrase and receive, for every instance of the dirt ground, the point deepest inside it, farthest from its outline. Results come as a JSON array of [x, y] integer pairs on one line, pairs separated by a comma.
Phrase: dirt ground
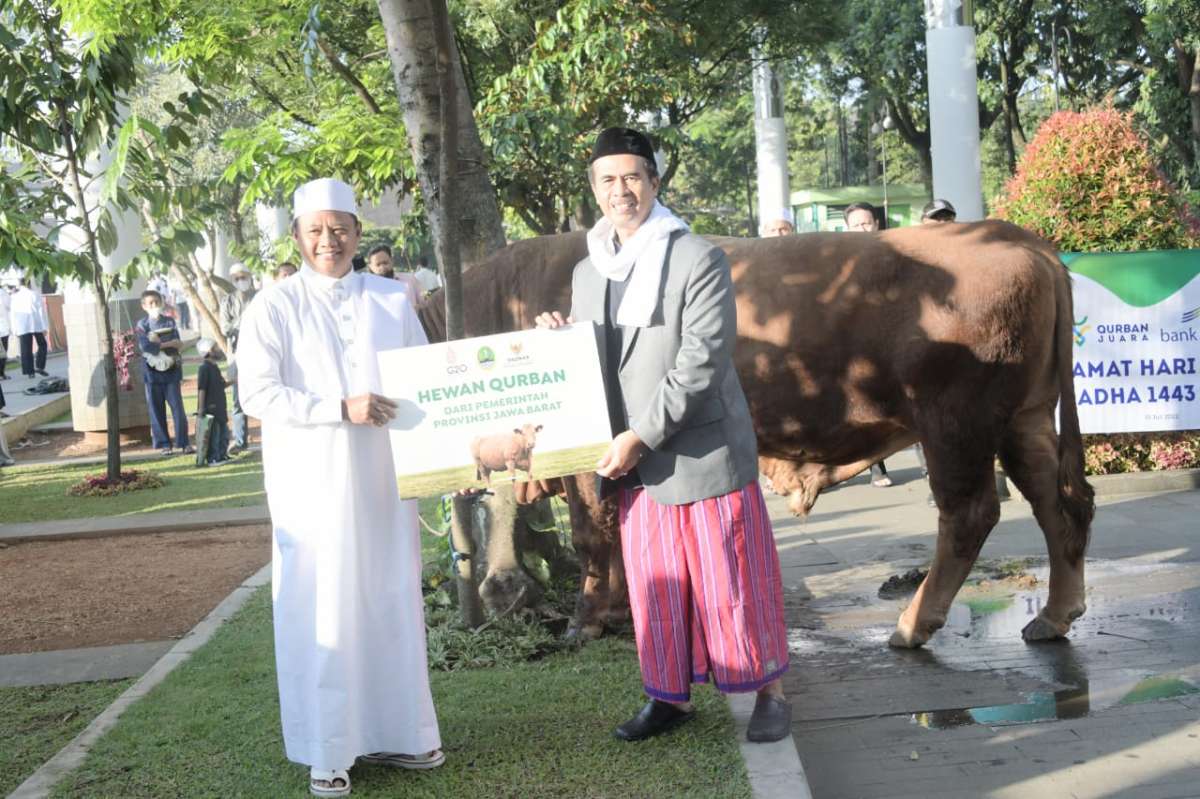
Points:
[[123, 589], [37, 446]]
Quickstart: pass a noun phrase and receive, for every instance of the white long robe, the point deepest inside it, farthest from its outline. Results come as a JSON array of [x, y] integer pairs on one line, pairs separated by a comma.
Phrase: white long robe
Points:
[[349, 623]]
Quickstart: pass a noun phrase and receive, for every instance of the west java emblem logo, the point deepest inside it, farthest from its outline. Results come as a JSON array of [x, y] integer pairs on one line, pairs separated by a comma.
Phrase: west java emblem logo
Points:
[[1191, 316], [486, 358], [1081, 328]]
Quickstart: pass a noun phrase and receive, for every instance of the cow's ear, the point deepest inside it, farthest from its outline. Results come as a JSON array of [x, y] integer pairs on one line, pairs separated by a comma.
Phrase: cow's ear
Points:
[[537, 429], [517, 430]]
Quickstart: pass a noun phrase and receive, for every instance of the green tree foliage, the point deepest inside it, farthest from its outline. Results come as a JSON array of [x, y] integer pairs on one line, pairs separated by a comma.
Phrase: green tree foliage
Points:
[[61, 106], [1087, 182], [549, 75]]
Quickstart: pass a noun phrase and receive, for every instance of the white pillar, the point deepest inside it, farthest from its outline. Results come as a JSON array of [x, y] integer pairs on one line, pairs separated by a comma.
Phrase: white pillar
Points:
[[218, 245], [953, 107], [273, 224], [770, 146]]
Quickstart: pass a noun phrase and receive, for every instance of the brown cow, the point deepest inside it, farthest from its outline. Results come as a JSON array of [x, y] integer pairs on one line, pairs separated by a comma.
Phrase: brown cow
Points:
[[505, 452], [854, 346]]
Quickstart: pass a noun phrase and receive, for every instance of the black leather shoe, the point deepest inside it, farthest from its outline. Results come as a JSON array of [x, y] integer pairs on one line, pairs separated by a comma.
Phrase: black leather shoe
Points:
[[771, 720], [656, 717]]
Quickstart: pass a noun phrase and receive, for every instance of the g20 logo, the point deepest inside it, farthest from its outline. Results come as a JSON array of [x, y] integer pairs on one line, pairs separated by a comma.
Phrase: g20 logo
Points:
[[456, 368]]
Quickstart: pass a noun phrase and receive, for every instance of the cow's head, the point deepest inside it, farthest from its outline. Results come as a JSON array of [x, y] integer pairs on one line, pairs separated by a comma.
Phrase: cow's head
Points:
[[528, 434]]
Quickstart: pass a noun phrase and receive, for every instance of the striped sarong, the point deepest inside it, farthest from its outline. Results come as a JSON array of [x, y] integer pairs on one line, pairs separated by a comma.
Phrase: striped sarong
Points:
[[705, 592]]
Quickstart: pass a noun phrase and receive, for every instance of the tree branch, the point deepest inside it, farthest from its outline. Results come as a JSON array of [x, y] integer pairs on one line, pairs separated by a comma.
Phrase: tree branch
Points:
[[278, 103], [344, 71]]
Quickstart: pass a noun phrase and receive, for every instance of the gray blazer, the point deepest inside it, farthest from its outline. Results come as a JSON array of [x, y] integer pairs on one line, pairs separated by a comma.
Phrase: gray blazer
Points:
[[682, 395]]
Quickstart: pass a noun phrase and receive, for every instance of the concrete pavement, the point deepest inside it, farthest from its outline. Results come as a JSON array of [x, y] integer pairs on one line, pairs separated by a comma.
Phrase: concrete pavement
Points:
[[26, 411], [1113, 711]]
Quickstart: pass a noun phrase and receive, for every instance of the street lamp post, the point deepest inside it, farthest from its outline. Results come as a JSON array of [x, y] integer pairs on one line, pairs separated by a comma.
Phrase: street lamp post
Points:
[[877, 130]]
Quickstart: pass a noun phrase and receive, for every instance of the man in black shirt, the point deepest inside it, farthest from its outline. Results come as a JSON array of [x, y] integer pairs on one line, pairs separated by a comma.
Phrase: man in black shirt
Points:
[[210, 401]]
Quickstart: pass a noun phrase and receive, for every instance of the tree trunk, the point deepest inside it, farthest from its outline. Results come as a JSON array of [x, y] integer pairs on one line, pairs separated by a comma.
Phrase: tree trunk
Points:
[[112, 407], [409, 26], [1194, 101]]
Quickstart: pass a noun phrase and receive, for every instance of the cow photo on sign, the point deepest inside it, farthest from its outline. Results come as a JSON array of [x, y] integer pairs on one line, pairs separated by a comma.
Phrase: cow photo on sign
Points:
[[505, 452]]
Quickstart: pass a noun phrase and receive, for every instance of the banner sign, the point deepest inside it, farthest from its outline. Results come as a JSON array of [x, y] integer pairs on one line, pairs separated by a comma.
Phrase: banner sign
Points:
[[1137, 340], [493, 409]]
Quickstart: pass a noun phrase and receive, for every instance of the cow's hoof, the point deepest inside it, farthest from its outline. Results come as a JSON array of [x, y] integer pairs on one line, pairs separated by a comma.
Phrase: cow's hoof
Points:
[[1042, 629], [902, 639]]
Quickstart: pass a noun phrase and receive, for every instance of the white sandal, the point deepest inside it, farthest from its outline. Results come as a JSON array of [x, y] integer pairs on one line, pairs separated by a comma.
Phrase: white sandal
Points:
[[398, 760], [330, 779]]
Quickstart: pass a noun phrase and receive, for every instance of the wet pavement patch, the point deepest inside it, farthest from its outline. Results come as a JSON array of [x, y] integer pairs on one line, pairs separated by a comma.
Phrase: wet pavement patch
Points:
[[1072, 703]]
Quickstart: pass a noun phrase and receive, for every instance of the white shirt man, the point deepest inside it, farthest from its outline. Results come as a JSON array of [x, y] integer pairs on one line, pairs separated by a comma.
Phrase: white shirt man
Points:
[[349, 624], [5, 326], [30, 321], [427, 278]]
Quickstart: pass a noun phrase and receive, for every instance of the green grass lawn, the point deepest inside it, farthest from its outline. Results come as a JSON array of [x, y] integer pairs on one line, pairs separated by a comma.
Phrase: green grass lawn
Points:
[[36, 722], [533, 731], [39, 493], [548, 464]]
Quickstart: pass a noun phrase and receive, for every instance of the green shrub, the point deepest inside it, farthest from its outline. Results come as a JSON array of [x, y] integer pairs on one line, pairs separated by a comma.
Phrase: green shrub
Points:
[[1087, 182]]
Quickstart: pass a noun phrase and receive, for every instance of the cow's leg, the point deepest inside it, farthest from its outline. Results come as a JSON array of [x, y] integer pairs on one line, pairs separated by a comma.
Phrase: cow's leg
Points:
[[962, 477], [1029, 452], [591, 604], [617, 605]]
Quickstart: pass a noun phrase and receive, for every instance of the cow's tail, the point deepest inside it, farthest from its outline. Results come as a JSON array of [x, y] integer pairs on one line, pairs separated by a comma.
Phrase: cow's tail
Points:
[[1076, 497]]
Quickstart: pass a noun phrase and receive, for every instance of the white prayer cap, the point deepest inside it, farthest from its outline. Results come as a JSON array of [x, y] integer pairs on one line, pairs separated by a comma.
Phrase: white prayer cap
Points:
[[238, 268], [324, 194], [204, 346], [783, 213]]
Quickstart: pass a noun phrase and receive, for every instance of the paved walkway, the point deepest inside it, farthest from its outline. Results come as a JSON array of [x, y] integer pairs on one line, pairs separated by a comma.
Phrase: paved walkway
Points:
[[27, 410], [80, 665], [1113, 712], [96, 527]]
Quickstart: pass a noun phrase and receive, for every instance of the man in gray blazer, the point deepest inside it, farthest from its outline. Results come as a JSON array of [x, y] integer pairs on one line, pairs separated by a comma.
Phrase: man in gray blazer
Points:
[[700, 558]]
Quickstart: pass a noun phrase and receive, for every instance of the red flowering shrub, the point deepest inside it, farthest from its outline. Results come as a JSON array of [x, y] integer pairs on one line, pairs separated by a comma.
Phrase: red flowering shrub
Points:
[[1141, 452], [124, 350], [1087, 182], [98, 485]]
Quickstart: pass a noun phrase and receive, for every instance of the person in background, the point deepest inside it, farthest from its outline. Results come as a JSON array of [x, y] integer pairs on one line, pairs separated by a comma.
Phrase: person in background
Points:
[[179, 298], [780, 225], [162, 373], [379, 261], [937, 211], [30, 322], [284, 270], [210, 401], [349, 624], [428, 279], [233, 305], [5, 326], [6, 458], [863, 218]]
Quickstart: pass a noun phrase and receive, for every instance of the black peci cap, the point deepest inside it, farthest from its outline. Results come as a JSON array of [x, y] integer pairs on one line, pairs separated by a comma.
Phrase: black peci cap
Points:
[[938, 209], [622, 141]]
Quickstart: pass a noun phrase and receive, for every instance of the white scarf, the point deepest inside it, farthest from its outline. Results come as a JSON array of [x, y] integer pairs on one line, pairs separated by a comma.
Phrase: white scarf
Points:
[[644, 254]]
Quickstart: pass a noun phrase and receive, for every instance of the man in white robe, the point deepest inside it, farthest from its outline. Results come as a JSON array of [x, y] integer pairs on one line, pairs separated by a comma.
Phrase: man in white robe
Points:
[[349, 624]]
